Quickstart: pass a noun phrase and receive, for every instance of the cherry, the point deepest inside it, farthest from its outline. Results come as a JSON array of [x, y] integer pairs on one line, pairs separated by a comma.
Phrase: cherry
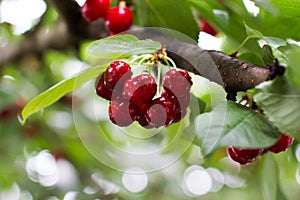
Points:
[[179, 115], [121, 113], [243, 156], [140, 89], [180, 103], [161, 112], [95, 9], [117, 72], [118, 19], [103, 90], [207, 28], [282, 144], [140, 116], [177, 82]]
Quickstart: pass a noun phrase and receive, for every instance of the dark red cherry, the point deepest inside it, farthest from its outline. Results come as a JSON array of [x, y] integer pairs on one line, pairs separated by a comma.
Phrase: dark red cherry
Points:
[[140, 89], [177, 82], [181, 103], [282, 144], [118, 19], [179, 115], [207, 28], [95, 9], [117, 73], [120, 112], [102, 89], [161, 112], [243, 156]]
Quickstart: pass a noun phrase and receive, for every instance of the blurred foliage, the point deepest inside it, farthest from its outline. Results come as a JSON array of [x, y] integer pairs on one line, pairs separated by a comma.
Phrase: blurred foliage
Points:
[[60, 133]]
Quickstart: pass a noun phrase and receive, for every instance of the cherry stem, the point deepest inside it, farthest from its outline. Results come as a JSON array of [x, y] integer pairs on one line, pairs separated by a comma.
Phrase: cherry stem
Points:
[[145, 57], [167, 59], [122, 4], [159, 78], [138, 57]]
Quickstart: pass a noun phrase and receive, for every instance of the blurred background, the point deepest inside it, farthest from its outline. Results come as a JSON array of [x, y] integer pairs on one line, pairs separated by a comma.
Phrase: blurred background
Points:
[[47, 159]]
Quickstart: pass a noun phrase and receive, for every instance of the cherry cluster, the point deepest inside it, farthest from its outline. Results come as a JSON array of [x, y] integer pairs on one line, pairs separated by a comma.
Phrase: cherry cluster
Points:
[[244, 156], [134, 98], [117, 19]]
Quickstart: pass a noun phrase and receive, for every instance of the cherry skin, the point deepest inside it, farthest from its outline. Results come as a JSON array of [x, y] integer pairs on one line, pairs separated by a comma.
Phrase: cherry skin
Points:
[[140, 112], [95, 9], [103, 90], [207, 28], [121, 113], [282, 144], [117, 73], [177, 82], [118, 19], [243, 156], [179, 115], [180, 103], [140, 89], [161, 112]]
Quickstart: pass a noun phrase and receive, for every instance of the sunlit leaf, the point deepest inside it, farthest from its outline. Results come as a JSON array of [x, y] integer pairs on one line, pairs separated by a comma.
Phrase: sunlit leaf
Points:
[[57, 91], [121, 46], [232, 124], [211, 93], [173, 14]]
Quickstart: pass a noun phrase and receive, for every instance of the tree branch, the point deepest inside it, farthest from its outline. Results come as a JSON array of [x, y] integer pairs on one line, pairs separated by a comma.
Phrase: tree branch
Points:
[[36, 43]]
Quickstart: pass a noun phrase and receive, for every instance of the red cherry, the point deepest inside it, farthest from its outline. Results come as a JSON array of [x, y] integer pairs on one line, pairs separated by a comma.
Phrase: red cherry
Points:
[[139, 115], [103, 90], [207, 28], [243, 156], [177, 82], [117, 73], [95, 9], [179, 115], [282, 144], [161, 112], [120, 112], [180, 103], [140, 89], [118, 19]]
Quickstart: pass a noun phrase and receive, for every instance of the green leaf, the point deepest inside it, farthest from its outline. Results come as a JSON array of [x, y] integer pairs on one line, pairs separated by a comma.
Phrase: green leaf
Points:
[[210, 93], [293, 69], [251, 57], [267, 55], [57, 91], [269, 177], [252, 32], [120, 46], [274, 42], [280, 101], [280, 21], [231, 124], [173, 14]]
